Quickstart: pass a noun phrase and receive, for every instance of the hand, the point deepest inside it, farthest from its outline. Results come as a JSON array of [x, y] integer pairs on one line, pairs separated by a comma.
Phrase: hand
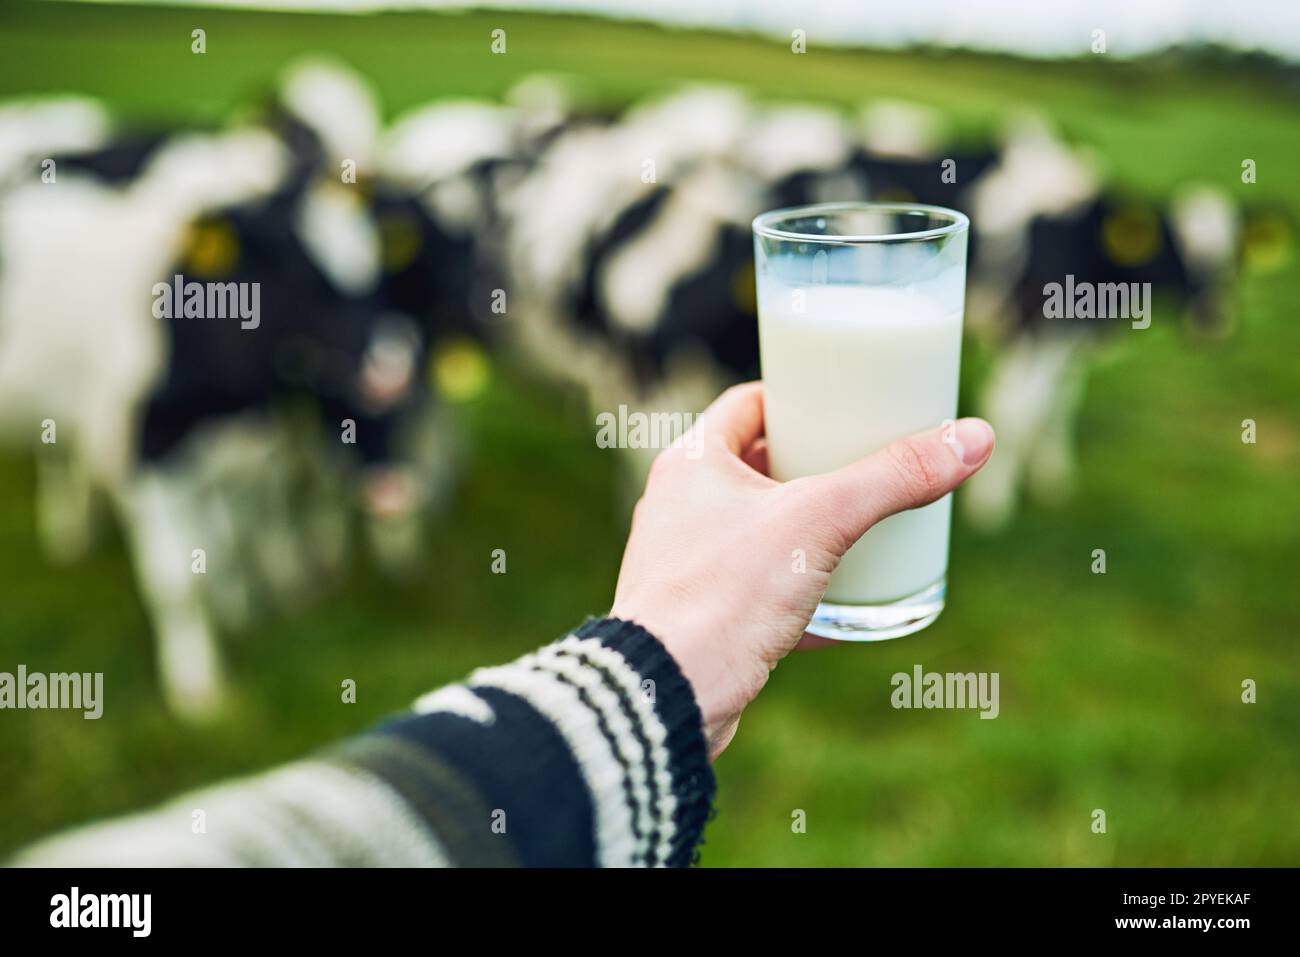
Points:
[[707, 568]]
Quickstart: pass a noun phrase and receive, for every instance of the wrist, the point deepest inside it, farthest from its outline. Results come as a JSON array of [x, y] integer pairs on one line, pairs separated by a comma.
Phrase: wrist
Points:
[[702, 667]]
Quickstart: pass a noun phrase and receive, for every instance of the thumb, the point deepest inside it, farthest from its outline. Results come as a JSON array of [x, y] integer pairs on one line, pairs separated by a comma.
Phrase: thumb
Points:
[[911, 472]]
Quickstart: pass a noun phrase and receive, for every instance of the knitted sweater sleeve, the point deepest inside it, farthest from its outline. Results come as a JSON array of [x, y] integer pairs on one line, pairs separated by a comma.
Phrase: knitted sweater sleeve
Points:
[[589, 751]]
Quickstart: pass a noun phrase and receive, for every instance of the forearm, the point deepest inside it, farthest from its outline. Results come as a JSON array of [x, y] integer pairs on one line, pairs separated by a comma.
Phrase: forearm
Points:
[[587, 752]]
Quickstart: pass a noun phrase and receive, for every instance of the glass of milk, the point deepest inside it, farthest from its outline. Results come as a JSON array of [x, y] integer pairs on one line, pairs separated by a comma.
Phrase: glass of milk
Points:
[[859, 316]]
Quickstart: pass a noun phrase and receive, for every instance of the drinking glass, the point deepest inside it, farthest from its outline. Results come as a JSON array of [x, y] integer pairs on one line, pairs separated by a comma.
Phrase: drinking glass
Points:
[[860, 317]]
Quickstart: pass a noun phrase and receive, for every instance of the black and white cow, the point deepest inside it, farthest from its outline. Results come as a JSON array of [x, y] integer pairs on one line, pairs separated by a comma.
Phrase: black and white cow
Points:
[[230, 450]]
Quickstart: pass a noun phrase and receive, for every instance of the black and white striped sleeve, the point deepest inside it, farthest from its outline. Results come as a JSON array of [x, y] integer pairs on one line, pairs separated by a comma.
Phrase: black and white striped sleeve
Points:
[[589, 751]]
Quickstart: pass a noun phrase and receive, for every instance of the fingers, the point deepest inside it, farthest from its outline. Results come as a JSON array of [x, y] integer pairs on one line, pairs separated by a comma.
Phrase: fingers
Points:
[[908, 473], [736, 417]]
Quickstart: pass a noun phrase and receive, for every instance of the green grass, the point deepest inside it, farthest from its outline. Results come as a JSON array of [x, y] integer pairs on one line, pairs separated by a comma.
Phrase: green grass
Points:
[[1118, 692]]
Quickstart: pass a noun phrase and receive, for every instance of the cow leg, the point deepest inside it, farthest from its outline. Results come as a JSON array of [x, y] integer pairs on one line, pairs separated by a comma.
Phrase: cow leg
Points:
[[64, 506], [1018, 399], [1053, 461], [159, 534]]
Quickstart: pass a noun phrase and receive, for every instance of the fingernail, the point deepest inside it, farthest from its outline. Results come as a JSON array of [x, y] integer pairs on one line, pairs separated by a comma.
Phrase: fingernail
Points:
[[972, 441]]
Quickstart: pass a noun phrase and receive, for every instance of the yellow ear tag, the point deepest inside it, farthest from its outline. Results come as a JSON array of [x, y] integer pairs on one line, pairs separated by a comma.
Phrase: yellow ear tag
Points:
[[1131, 237], [896, 194], [211, 248], [460, 369], [743, 291], [1268, 243]]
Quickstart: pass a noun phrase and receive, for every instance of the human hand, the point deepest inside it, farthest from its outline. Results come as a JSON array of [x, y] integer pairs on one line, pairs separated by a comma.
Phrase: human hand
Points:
[[707, 569]]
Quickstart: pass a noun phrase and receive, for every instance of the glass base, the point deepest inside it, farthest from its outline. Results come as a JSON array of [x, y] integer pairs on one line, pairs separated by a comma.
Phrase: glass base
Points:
[[880, 621]]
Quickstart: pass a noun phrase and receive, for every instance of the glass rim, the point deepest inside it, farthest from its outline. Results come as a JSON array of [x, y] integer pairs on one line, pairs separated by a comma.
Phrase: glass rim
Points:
[[763, 223]]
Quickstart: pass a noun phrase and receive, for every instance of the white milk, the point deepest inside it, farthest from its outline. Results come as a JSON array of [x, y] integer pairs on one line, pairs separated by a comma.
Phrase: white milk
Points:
[[856, 369]]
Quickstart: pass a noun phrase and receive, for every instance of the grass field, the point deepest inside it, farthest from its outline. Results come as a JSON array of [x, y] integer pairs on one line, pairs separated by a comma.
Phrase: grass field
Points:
[[1119, 692]]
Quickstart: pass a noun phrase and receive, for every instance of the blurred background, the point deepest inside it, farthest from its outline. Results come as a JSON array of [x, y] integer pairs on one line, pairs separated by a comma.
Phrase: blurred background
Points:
[[461, 254]]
